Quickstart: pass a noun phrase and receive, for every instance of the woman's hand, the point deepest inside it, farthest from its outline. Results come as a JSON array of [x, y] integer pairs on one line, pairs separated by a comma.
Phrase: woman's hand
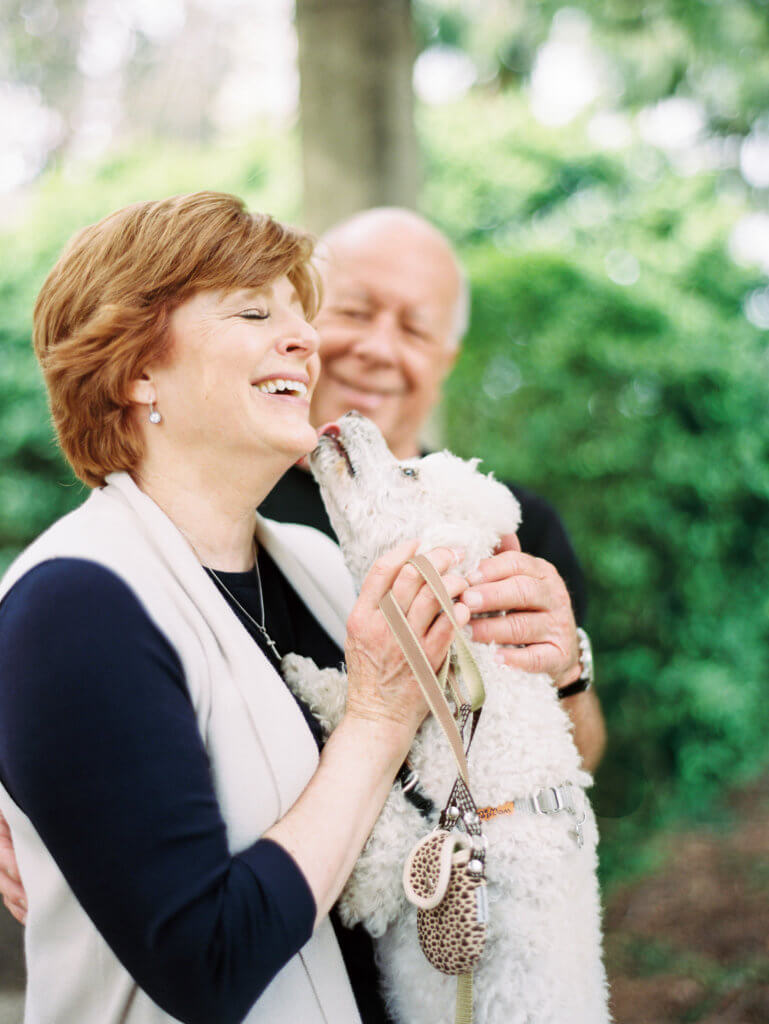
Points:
[[11, 888], [381, 684]]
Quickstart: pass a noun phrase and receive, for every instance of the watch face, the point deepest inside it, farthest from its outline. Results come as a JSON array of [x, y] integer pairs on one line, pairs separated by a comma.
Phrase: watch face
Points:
[[585, 656]]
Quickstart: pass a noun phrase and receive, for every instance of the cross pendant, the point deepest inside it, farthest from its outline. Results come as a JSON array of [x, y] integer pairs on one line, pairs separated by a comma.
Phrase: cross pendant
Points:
[[270, 643]]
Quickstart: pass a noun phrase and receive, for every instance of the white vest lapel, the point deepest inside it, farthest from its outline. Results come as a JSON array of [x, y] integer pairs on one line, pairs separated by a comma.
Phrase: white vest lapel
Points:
[[327, 590], [264, 692]]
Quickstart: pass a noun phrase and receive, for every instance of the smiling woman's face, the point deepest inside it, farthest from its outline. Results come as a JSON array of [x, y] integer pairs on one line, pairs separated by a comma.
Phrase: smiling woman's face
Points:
[[219, 389]]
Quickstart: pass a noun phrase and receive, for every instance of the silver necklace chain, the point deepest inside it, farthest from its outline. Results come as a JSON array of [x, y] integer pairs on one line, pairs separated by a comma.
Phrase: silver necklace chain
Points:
[[259, 625]]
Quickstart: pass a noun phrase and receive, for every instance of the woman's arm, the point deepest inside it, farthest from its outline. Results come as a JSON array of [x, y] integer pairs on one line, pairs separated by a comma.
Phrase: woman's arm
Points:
[[14, 897], [326, 828], [99, 745]]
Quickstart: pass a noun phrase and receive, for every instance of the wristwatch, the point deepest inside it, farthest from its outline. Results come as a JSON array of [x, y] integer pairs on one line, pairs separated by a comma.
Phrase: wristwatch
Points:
[[585, 680]]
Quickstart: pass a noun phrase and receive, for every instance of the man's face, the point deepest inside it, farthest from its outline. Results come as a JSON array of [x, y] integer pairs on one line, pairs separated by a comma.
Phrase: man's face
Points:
[[386, 333]]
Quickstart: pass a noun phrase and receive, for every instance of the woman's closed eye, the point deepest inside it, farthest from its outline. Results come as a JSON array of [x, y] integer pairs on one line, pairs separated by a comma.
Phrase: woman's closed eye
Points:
[[353, 313], [254, 314]]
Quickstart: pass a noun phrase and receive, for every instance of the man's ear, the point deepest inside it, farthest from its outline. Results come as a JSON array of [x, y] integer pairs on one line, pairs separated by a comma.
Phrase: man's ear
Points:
[[449, 359]]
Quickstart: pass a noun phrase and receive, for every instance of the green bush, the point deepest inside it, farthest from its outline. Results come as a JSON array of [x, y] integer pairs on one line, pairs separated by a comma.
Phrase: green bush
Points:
[[640, 411]]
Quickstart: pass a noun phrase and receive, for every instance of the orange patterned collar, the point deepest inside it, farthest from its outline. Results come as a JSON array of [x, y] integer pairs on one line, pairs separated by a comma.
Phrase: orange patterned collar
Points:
[[486, 813]]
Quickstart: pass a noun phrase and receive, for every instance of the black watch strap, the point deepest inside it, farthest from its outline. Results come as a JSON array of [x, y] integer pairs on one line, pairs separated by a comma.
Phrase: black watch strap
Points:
[[570, 690]]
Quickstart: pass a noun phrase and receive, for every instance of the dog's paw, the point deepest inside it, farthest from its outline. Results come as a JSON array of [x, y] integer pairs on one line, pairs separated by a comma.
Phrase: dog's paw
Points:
[[298, 673], [323, 690], [301, 676]]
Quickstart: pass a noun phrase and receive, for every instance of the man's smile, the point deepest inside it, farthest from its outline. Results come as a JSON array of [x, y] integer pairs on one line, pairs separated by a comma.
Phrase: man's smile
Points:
[[366, 389]]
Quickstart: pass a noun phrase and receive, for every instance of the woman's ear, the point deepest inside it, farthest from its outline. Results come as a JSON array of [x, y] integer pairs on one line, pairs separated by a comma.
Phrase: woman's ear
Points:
[[142, 390]]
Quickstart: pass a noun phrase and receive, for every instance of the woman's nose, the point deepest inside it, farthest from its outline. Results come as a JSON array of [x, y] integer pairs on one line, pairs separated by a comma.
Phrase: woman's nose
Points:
[[299, 337]]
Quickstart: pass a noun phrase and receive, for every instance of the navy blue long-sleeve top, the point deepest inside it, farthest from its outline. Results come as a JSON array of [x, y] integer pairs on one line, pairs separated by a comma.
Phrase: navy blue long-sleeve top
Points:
[[99, 746]]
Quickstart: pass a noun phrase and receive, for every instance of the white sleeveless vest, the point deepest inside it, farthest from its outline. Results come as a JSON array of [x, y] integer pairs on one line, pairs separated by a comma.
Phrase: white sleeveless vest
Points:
[[261, 752]]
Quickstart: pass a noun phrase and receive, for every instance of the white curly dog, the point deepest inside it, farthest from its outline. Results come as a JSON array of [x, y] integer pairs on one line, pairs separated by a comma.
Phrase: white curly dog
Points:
[[542, 961]]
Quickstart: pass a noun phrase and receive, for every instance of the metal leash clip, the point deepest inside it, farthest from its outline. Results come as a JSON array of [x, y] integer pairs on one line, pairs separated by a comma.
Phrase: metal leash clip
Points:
[[552, 799]]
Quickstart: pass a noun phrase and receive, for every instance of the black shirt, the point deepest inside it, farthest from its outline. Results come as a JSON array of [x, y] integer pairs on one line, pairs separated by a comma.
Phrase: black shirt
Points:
[[296, 499]]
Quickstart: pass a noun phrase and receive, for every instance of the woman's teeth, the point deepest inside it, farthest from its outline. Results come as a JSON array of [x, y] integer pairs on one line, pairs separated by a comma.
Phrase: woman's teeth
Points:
[[270, 387]]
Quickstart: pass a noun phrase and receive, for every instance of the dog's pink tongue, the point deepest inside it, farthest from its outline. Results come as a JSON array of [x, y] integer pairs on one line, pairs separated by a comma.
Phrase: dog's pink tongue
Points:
[[328, 428]]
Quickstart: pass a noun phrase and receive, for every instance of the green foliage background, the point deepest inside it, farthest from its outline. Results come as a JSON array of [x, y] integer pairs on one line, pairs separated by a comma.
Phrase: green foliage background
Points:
[[639, 411]]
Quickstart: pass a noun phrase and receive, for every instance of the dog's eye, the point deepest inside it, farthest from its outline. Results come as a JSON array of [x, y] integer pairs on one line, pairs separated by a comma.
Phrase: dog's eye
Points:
[[409, 471]]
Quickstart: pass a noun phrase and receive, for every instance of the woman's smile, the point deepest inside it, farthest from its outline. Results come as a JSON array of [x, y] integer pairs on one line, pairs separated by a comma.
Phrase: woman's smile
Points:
[[292, 387]]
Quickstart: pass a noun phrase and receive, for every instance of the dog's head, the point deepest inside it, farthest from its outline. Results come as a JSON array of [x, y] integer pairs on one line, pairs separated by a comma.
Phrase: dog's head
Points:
[[374, 501]]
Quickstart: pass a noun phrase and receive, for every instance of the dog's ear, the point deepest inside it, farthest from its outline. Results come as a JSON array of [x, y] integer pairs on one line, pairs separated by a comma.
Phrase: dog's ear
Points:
[[501, 506], [445, 467], [469, 493]]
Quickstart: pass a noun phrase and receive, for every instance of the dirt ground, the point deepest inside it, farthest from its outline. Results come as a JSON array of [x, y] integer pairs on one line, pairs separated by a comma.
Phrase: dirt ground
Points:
[[690, 943], [687, 944]]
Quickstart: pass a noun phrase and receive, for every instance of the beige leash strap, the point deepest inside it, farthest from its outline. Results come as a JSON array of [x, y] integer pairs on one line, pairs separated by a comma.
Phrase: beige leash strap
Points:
[[434, 689], [425, 676], [447, 678], [464, 1010], [470, 673]]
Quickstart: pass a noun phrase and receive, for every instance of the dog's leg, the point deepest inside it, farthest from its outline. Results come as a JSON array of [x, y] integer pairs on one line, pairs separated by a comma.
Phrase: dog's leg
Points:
[[374, 893], [323, 690]]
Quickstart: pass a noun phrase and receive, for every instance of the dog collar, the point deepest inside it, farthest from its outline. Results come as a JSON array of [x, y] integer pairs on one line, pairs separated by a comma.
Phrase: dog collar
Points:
[[547, 800]]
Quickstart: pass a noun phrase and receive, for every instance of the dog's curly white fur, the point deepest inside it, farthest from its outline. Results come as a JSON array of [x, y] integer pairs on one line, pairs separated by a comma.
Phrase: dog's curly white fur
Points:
[[542, 962]]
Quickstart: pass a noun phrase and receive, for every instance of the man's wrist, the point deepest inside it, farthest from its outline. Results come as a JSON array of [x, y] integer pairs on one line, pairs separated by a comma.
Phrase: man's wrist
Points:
[[584, 680], [569, 677]]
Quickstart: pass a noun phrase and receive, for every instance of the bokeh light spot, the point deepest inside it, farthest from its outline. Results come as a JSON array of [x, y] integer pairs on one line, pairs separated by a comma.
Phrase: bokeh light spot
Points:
[[756, 308], [622, 267], [443, 74]]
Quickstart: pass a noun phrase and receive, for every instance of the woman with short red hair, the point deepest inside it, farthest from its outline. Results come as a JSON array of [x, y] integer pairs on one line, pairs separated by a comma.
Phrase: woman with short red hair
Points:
[[179, 833]]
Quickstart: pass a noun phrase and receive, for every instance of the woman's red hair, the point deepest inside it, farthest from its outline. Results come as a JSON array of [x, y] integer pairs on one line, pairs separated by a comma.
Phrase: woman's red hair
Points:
[[102, 315]]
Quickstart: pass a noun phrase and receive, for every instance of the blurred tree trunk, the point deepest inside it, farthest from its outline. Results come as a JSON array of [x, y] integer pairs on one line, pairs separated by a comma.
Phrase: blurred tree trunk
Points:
[[358, 139]]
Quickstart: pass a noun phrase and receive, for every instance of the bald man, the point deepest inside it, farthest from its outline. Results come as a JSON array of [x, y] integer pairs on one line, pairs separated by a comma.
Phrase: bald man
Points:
[[395, 307]]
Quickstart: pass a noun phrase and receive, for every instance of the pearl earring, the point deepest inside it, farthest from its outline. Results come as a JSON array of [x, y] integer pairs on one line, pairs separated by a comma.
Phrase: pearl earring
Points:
[[155, 416]]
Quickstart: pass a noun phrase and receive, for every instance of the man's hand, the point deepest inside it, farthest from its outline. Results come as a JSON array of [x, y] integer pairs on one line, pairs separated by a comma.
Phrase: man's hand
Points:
[[535, 628], [11, 888], [534, 624]]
